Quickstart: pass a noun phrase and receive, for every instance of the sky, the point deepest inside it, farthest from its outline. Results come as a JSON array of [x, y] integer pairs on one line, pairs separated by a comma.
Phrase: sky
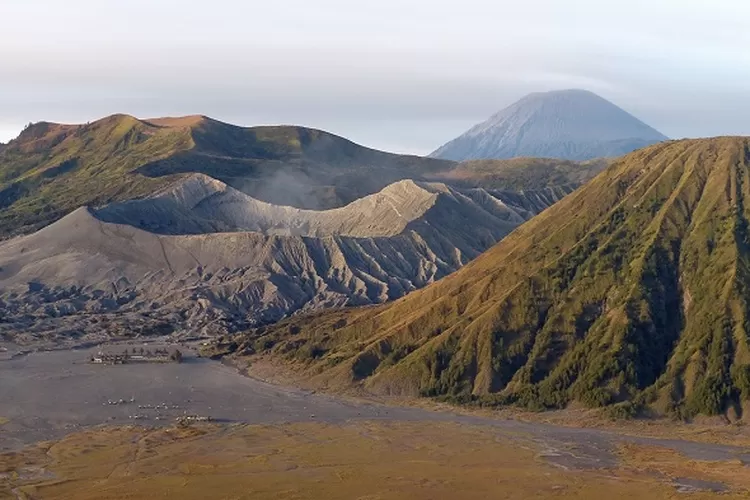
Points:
[[399, 75]]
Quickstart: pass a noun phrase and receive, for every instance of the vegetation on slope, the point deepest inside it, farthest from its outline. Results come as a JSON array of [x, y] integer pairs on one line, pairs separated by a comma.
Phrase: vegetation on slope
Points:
[[631, 291], [523, 174], [51, 169]]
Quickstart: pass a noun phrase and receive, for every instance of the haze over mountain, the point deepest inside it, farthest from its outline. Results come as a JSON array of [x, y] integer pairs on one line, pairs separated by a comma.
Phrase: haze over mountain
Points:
[[567, 124], [51, 169], [631, 292], [202, 257]]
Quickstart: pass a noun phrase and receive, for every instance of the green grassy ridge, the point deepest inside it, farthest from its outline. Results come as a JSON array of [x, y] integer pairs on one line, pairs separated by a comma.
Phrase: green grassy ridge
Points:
[[52, 169], [522, 174], [629, 293]]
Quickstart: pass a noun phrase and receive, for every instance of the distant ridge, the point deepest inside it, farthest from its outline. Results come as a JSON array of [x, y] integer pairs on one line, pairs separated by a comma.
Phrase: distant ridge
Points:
[[178, 121], [567, 124], [51, 169]]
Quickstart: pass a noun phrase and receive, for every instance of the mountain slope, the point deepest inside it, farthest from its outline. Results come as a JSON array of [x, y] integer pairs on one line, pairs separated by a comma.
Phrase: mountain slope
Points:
[[519, 174], [632, 291], [52, 169], [201, 204], [202, 257], [568, 124]]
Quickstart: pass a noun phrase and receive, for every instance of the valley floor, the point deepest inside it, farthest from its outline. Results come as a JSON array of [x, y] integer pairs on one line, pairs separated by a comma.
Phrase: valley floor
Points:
[[67, 432], [356, 459]]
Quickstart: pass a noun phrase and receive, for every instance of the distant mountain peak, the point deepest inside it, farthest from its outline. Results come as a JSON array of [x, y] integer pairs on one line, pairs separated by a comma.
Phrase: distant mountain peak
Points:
[[572, 124], [566, 92]]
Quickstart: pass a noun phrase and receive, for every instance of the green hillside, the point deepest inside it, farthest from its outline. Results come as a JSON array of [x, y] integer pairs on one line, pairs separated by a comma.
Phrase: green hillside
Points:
[[632, 292], [52, 169], [523, 174]]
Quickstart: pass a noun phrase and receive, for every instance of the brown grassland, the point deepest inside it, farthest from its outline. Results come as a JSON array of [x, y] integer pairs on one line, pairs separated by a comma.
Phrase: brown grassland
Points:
[[366, 460]]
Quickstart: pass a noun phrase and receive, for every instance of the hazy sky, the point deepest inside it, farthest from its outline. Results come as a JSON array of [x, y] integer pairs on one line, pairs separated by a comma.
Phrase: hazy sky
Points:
[[402, 75]]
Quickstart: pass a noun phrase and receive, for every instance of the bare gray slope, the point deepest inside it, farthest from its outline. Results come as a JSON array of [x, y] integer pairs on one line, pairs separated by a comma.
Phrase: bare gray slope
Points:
[[201, 204], [195, 279], [569, 124]]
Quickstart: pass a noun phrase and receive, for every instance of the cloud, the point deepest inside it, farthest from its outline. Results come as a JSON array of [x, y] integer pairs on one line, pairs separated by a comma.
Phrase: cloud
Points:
[[396, 74]]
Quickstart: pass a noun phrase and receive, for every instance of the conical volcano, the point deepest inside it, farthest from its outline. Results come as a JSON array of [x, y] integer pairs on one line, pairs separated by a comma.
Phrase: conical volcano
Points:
[[570, 124]]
